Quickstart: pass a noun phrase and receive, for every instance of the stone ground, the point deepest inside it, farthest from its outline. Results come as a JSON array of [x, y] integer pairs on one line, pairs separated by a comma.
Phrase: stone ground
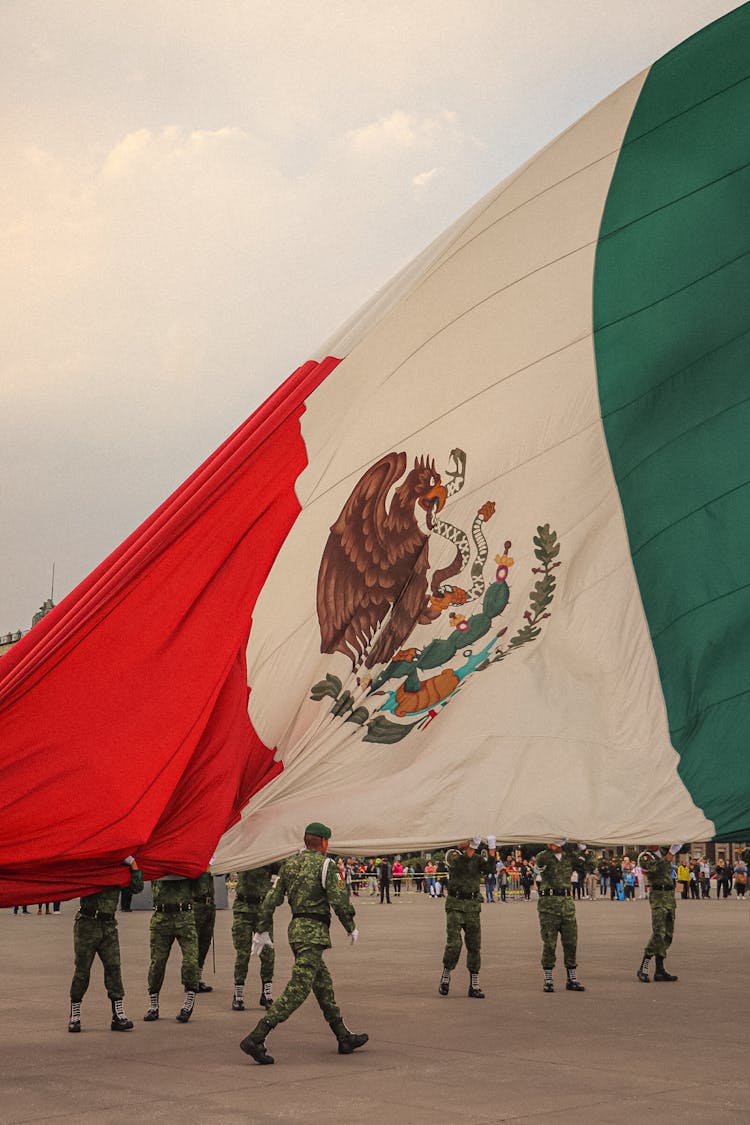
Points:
[[621, 1053]]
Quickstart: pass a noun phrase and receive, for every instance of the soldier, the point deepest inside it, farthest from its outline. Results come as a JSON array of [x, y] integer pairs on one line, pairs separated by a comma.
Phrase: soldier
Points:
[[658, 868], [95, 931], [463, 905], [204, 912], [173, 919], [311, 883], [252, 888], [557, 912]]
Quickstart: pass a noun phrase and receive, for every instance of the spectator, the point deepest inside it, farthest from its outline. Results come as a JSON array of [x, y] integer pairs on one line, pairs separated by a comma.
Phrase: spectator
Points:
[[740, 878], [705, 877], [683, 878], [695, 878], [721, 874], [398, 874], [384, 879]]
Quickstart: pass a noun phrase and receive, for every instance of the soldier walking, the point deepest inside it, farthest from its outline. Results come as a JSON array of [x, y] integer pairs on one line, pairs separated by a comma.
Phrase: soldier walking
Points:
[[467, 866], [204, 912], [310, 882], [95, 931], [557, 912], [658, 869], [173, 920], [252, 888]]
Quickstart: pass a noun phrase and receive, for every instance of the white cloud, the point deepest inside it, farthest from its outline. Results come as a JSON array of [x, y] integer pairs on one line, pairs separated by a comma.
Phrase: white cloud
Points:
[[423, 178], [401, 130]]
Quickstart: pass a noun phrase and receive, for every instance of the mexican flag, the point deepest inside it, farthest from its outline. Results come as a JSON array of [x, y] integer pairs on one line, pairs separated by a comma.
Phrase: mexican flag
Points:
[[478, 566]]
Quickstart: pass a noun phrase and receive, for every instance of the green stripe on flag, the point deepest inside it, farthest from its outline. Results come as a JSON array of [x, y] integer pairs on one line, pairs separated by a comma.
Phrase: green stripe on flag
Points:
[[672, 340]]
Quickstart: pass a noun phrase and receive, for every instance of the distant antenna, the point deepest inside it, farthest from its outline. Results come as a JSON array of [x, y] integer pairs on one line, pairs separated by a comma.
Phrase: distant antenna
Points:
[[52, 591]]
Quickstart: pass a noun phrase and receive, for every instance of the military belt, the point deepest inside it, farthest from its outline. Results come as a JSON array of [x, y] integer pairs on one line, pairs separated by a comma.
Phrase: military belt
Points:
[[249, 900], [102, 915], [661, 886], [204, 900], [174, 908], [465, 896], [561, 891], [323, 918]]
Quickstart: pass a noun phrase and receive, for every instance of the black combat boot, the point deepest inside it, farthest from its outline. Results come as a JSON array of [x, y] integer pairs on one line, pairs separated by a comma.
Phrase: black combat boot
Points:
[[266, 1000], [573, 984], [74, 1023], [348, 1040], [474, 990], [186, 1010], [549, 984], [642, 973], [203, 987], [238, 1000], [661, 973], [445, 982], [254, 1044], [153, 1008], [120, 1021]]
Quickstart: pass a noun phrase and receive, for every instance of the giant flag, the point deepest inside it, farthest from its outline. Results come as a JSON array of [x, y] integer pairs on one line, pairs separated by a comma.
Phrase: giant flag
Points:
[[478, 566]]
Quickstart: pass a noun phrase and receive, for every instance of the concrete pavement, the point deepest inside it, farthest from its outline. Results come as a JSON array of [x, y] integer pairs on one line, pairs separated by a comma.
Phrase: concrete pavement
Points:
[[621, 1053]]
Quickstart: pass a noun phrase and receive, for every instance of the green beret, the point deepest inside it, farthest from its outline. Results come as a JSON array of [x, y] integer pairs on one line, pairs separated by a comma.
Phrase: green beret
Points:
[[318, 829]]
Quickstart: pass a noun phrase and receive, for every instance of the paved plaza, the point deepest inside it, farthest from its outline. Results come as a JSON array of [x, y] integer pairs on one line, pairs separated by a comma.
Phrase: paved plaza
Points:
[[622, 1052]]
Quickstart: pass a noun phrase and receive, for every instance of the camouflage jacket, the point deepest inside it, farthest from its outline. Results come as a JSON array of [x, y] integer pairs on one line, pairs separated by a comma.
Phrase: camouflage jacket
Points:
[[465, 873], [169, 891], [107, 900], [658, 871], [583, 861], [555, 872], [300, 881], [255, 885], [203, 887], [745, 855]]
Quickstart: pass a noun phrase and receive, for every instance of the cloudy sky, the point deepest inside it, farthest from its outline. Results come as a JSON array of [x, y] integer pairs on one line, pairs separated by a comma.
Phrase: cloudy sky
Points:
[[194, 194]]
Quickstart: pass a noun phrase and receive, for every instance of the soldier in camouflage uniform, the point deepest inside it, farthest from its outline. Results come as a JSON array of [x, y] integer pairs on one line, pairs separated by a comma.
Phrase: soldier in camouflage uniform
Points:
[[661, 897], [95, 931], [557, 912], [204, 912], [173, 919], [312, 886], [467, 866], [252, 888]]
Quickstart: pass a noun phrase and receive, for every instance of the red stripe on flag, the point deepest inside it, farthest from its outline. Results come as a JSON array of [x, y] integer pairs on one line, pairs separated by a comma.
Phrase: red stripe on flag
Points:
[[123, 713]]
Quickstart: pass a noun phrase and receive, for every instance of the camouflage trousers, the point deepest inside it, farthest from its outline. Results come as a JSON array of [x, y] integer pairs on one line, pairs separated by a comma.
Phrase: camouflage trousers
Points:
[[663, 908], [310, 972], [165, 929], [461, 915], [92, 936], [557, 915], [243, 927], [205, 919]]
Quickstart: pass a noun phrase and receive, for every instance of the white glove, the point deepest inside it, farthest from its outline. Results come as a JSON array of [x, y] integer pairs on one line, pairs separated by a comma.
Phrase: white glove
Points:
[[492, 842], [354, 935], [259, 941], [476, 843], [582, 847], [129, 860], [675, 849]]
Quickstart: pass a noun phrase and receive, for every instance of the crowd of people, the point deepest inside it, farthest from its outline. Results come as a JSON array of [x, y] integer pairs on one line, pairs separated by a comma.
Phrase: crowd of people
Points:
[[615, 877]]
